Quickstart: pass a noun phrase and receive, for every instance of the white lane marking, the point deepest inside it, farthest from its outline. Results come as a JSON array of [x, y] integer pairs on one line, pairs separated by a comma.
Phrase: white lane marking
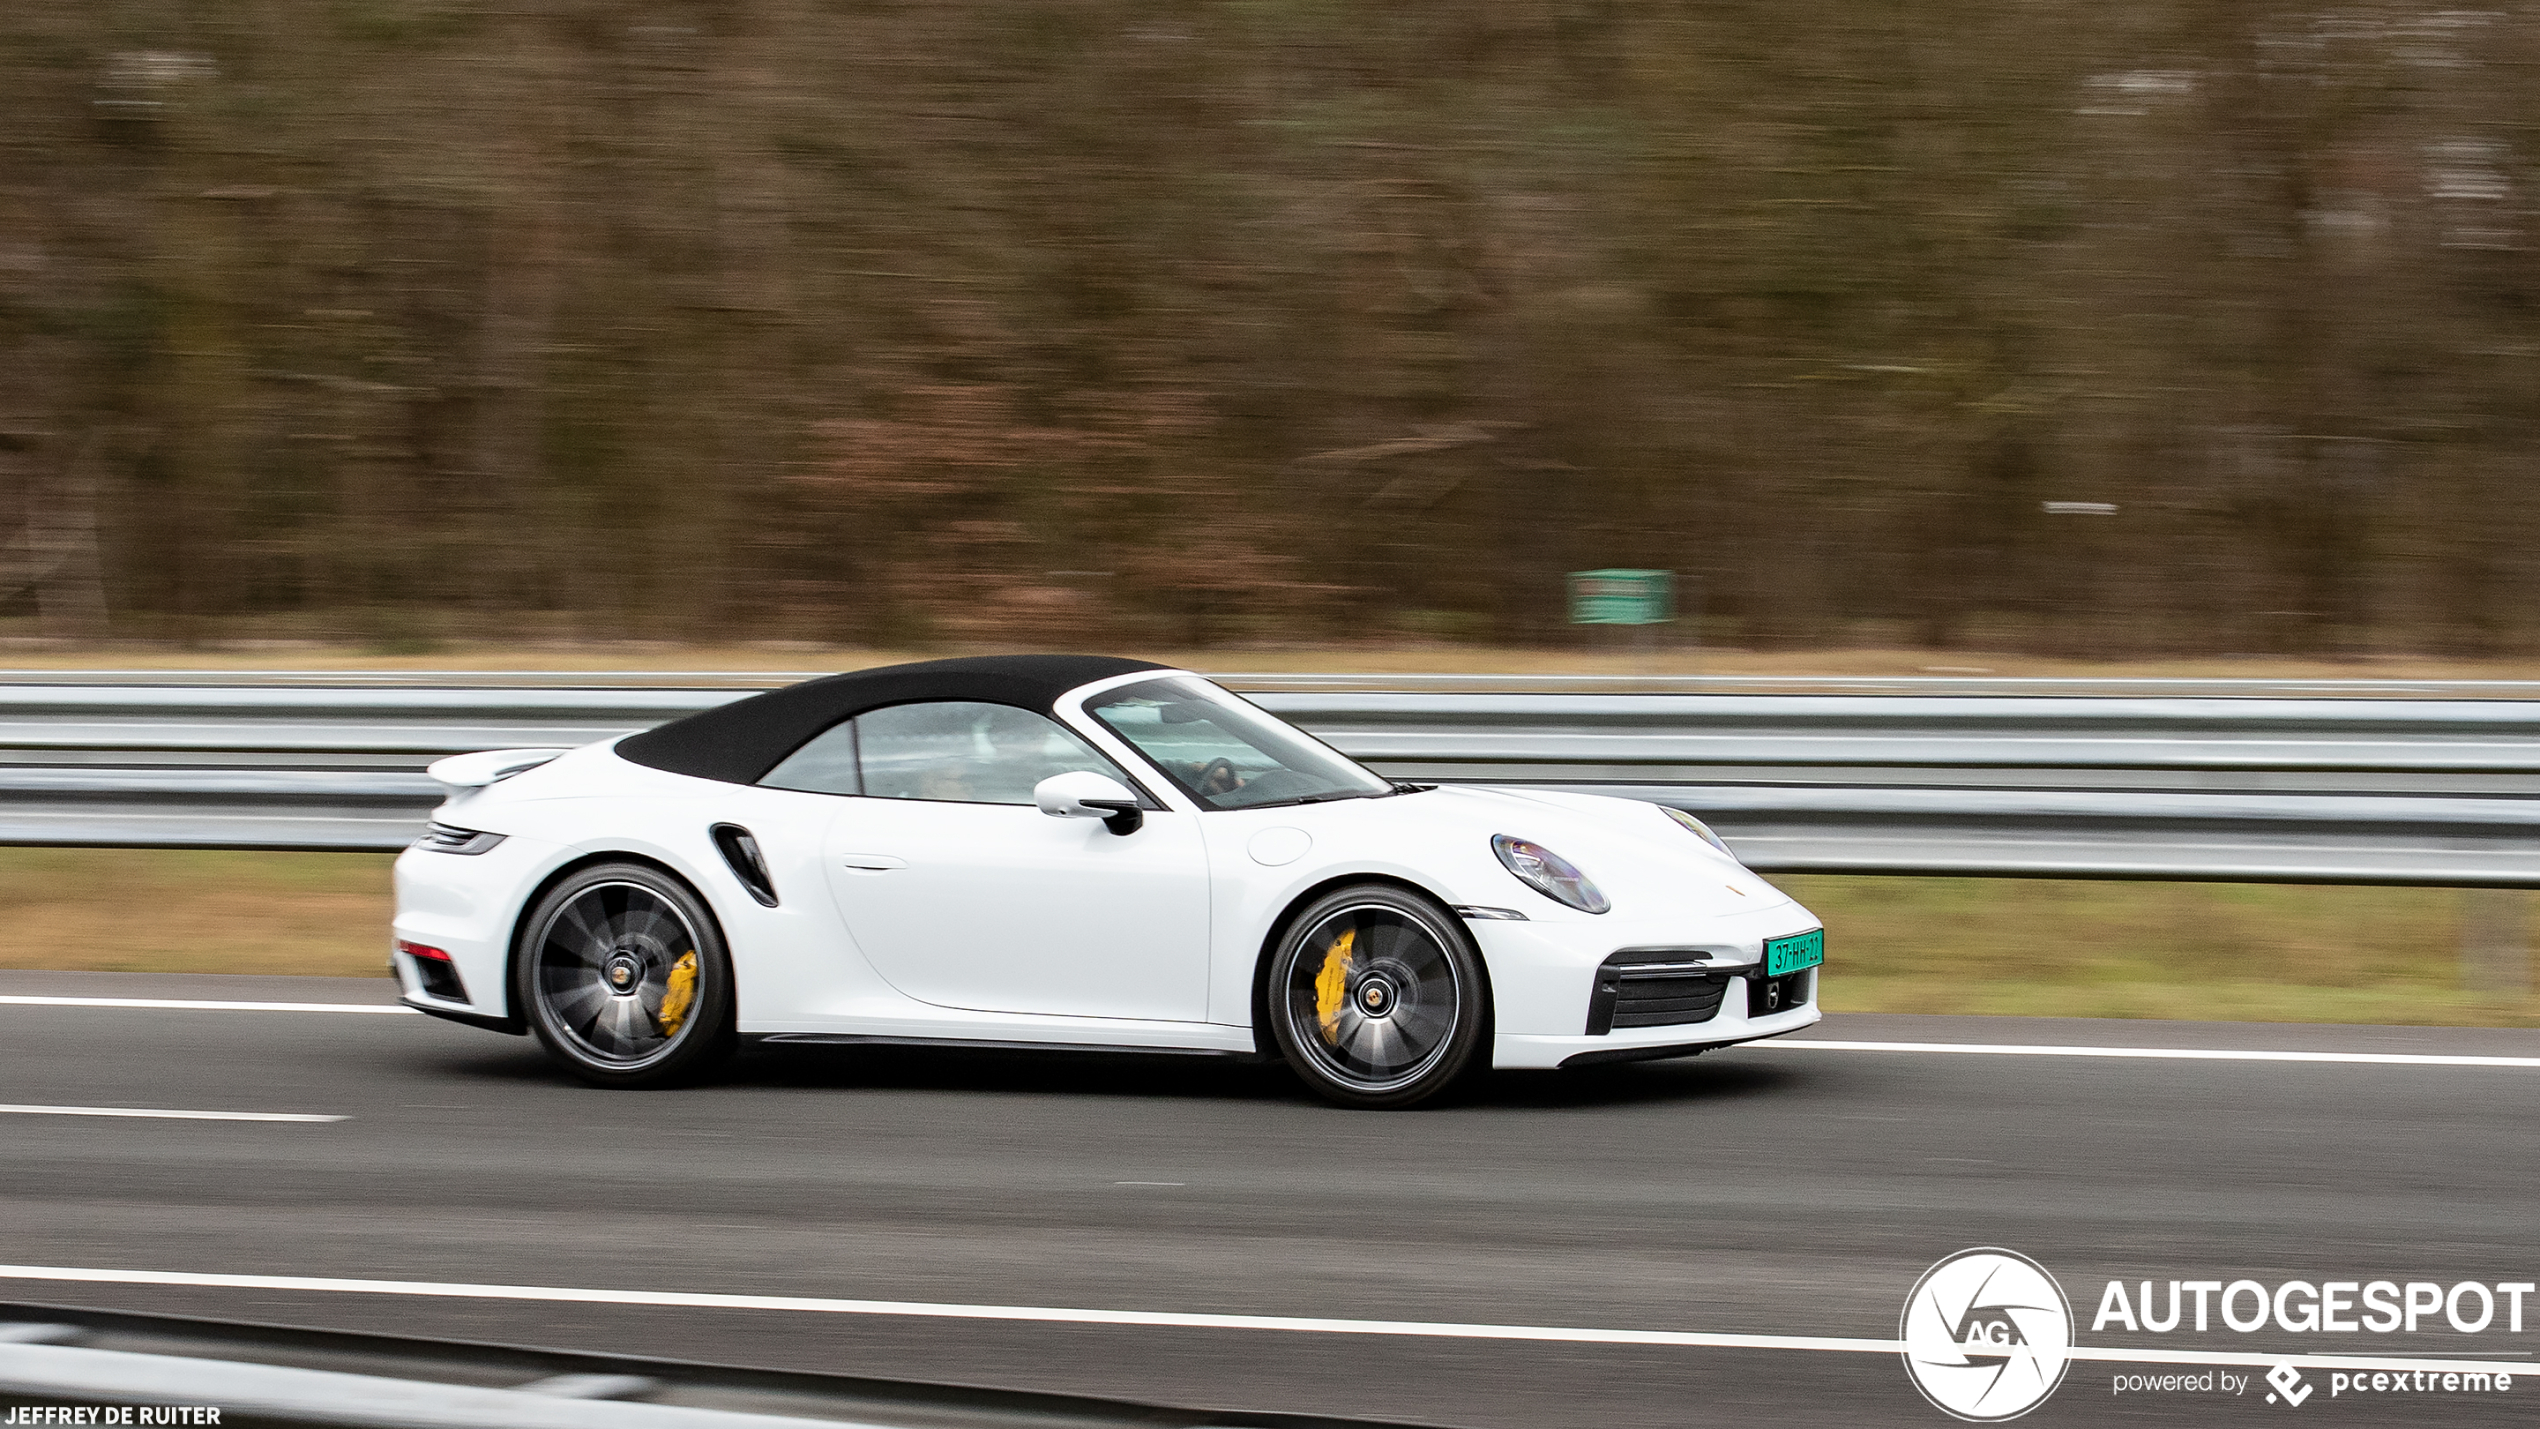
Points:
[[197, 1005], [2189, 1054], [804, 1304], [165, 1113], [932, 1310]]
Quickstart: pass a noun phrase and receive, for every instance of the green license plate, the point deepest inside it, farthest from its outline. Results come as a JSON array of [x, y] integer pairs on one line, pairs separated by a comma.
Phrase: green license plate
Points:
[[1799, 950]]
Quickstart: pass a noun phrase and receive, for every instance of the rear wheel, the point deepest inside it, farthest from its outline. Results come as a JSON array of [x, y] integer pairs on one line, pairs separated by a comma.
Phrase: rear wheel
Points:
[[625, 979], [1377, 997]]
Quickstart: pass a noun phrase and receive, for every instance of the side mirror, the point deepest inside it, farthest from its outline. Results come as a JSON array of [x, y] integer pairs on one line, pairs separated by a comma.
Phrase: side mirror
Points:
[[1083, 794]]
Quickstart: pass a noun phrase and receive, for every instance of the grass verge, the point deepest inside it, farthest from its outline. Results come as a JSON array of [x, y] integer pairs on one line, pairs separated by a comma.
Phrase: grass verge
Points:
[[2210, 951], [2204, 951], [167, 911]]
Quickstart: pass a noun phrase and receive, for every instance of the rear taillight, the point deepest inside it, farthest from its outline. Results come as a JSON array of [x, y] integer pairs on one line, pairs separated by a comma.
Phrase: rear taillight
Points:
[[449, 838]]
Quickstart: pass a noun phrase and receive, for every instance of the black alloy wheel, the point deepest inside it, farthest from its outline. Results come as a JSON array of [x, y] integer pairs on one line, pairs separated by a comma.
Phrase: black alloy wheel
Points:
[[1376, 997], [624, 977]]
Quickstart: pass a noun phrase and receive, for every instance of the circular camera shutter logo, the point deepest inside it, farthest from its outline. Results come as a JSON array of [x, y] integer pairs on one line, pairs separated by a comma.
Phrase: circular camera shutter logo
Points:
[[1988, 1335]]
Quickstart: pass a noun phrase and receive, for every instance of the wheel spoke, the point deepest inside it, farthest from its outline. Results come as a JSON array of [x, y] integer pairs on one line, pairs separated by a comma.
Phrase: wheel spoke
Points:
[[580, 951], [648, 1001], [1422, 1023], [572, 1001], [591, 1032], [622, 1015], [602, 1033], [645, 914], [1354, 1036], [1424, 958], [1384, 1056], [572, 915], [1346, 1025], [1410, 1047]]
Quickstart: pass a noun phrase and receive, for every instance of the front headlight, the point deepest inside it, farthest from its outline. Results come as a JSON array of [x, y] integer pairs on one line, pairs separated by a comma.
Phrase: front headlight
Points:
[[1697, 828], [1548, 873]]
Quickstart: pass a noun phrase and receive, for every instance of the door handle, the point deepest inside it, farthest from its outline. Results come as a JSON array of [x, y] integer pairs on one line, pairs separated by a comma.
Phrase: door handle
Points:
[[874, 862]]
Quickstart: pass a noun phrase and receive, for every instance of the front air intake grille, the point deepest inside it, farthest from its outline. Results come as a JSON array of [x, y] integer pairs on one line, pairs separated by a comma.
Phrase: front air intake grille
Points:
[[1666, 1001], [1639, 990]]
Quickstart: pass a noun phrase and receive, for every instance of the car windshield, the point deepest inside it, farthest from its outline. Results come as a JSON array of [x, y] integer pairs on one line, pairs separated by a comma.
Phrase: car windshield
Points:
[[1225, 752]]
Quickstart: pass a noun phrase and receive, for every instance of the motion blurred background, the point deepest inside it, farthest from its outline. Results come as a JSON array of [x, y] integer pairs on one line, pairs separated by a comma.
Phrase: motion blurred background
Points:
[[1030, 321], [2179, 334]]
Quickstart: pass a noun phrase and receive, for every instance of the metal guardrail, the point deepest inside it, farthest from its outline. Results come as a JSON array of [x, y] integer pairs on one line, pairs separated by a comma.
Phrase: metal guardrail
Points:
[[53, 1356], [2246, 788], [2238, 780]]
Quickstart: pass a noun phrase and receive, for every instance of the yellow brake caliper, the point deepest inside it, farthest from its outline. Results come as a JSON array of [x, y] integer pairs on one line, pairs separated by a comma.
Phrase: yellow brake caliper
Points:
[[1331, 986], [680, 995]]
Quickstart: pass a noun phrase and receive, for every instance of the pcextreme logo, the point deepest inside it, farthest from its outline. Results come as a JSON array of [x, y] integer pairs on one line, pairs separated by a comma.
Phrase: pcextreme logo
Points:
[[1987, 1335]]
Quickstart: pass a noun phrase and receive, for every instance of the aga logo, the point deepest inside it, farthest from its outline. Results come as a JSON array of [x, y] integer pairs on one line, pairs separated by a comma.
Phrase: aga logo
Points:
[[1987, 1334]]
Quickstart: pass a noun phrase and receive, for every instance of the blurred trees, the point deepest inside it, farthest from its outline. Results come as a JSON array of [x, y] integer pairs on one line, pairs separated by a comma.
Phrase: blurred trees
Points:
[[1094, 321]]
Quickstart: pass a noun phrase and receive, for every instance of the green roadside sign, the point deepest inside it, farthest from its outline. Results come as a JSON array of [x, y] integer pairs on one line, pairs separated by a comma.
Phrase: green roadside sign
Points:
[[1620, 597]]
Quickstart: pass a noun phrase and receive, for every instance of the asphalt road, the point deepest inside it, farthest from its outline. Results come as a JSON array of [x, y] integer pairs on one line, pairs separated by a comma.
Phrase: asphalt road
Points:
[[1762, 1191]]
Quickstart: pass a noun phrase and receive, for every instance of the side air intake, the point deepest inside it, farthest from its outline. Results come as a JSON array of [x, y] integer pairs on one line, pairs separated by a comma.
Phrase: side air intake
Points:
[[740, 850]]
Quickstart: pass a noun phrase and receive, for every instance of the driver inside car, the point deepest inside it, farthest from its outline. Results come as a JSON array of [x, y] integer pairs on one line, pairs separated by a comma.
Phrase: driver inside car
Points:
[[1215, 776]]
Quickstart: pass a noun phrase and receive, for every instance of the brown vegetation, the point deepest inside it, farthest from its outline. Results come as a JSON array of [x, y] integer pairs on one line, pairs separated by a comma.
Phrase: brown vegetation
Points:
[[1092, 321], [2009, 946]]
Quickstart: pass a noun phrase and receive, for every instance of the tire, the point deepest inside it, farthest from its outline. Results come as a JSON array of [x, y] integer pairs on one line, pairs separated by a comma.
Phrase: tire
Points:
[[1376, 997], [622, 973]]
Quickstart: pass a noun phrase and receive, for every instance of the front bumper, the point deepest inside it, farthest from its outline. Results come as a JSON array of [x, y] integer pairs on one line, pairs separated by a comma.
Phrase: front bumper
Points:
[[1641, 1044], [1544, 975]]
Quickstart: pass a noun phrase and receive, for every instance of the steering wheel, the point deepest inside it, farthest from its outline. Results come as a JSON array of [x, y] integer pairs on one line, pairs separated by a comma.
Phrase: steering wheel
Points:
[[1218, 776]]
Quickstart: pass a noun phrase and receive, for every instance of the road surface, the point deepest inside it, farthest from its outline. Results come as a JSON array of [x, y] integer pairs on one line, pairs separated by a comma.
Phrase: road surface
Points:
[[1757, 1193]]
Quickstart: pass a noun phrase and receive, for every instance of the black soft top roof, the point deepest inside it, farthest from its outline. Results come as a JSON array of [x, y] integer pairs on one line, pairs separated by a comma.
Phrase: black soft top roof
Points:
[[739, 742]]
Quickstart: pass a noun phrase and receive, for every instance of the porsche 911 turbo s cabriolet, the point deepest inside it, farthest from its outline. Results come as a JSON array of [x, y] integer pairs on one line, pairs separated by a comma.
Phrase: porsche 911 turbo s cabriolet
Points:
[[1073, 852]]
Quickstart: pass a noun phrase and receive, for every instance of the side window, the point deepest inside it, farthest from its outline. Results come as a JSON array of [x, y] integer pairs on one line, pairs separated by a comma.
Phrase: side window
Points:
[[956, 751], [824, 766]]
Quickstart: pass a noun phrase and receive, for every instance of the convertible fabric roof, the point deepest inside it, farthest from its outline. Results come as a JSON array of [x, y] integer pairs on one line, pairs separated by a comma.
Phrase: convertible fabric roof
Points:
[[739, 742]]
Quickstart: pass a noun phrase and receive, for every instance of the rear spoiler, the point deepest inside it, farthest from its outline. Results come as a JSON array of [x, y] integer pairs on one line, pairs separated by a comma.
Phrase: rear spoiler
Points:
[[462, 772]]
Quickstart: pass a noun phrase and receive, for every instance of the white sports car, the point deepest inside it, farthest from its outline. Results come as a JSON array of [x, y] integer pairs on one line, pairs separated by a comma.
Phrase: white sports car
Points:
[[1079, 852]]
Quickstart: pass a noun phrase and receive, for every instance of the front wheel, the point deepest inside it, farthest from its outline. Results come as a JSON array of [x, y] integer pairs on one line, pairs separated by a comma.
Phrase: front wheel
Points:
[[624, 977], [1376, 997]]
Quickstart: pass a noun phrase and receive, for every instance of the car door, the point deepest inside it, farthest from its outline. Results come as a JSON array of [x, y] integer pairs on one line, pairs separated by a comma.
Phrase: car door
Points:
[[963, 894]]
